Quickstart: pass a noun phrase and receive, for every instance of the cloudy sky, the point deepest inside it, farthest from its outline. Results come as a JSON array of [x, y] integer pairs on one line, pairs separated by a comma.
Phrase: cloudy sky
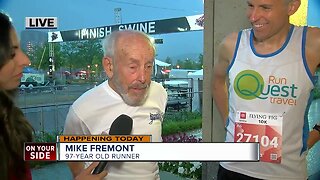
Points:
[[77, 14]]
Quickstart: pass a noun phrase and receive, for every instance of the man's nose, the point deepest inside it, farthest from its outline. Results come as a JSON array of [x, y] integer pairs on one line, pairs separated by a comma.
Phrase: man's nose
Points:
[[254, 14], [142, 75]]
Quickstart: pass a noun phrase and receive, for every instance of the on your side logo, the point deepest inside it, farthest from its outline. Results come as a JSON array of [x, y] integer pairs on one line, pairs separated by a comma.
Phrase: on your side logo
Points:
[[249, 84]]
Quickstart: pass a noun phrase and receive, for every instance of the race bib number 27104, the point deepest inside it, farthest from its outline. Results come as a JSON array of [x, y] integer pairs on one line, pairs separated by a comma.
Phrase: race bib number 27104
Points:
[[265, 128]]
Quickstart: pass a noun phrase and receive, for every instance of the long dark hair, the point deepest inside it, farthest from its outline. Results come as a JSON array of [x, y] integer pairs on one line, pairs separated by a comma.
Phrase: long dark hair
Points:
[[14, 128]]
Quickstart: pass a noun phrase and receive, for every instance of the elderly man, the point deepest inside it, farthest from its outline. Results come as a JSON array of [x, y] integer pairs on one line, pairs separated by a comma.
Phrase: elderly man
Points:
[[128, 62]]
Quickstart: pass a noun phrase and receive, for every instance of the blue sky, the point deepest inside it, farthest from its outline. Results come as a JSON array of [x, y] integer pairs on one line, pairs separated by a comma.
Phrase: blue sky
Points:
[[313, 13], [77, 14]]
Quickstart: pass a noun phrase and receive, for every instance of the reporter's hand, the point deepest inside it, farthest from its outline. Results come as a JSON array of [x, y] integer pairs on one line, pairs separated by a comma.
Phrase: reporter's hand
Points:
[[86, 173]]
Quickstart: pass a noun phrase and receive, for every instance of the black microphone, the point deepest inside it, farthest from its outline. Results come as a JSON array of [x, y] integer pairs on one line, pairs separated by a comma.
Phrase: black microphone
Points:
[[122, 125]]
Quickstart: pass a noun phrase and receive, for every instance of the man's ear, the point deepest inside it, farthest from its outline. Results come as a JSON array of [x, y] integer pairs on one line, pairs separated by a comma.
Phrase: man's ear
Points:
[[108, 66], [293, 6]]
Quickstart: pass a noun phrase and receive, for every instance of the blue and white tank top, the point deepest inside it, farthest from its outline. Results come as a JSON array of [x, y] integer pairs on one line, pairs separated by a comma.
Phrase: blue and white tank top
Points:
[[269, 98]]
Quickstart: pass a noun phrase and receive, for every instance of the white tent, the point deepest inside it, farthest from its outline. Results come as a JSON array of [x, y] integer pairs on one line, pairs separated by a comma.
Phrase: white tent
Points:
[[158, 63], [196, 75], [161, 63]]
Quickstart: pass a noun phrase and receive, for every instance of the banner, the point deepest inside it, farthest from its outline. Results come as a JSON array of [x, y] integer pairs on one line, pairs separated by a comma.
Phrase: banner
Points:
[[137, 148], [181, 24], [158, 152]]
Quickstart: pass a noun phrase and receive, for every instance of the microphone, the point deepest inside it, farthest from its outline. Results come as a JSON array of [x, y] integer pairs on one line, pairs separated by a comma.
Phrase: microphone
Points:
[[122, 125]]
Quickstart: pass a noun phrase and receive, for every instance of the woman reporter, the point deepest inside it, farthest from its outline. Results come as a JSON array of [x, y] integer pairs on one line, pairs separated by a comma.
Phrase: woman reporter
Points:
[[14, 128]]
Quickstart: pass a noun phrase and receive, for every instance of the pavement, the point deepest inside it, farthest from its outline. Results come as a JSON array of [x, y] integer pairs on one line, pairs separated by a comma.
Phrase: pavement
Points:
[[60, 171]]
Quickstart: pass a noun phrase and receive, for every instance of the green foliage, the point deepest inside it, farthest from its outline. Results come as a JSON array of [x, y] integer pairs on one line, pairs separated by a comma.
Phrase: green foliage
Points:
[[181, 116], [181, 122], [174, 127], [70, 55], [47, 136], [189, 63], [81, 54], [40, 58]]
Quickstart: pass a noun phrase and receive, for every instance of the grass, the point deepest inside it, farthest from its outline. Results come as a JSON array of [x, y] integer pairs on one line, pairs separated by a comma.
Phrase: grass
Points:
[[183, 121], [174, 127]]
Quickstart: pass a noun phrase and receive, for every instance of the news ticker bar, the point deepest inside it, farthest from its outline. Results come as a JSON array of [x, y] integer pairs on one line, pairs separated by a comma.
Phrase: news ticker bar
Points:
[[158, 152], [105, 138], [76, 150]]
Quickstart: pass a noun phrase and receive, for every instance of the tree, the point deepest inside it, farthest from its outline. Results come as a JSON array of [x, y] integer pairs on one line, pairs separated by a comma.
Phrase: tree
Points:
[[40, 60], [78, 55], [179, 64], [70, 52], [168, 60], [71, 55], [190, 63]]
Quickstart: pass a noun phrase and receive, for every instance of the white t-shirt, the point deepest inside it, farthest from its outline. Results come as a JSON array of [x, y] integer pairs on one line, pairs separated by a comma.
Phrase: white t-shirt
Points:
[[94, 111]]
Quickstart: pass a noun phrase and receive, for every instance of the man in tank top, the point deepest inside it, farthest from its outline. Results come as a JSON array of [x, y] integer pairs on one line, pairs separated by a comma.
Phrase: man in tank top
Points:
[[267, 76]]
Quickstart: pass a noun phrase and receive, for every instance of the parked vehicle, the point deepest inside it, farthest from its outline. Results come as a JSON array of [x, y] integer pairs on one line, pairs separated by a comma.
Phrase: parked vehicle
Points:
[[30, 80]]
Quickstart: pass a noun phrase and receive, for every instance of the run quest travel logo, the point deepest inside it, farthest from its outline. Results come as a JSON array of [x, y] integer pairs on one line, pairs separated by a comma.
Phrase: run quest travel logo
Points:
[[250, 85]]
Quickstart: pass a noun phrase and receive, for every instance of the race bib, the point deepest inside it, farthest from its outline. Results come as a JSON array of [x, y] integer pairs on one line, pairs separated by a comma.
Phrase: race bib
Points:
[[265, 128]]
